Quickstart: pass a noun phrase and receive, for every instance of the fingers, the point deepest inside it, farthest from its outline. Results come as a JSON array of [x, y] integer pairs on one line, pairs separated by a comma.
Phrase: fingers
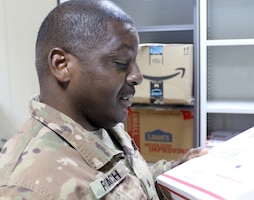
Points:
[[196, 152], [203, 151], [192, 153]]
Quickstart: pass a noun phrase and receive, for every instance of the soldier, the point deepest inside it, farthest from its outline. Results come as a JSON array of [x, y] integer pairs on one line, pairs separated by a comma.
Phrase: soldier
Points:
[[74, 145]]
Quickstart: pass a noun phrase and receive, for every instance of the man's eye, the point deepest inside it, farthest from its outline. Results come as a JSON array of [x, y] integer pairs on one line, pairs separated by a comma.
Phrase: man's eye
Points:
[[122, 64]]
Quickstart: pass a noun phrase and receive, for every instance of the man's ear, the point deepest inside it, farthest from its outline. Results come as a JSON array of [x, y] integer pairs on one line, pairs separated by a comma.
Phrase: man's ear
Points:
[[58, 62]]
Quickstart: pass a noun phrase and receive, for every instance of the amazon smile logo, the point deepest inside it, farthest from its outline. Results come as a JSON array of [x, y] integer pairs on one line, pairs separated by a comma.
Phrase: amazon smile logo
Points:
[[156, 84], [180, 71]]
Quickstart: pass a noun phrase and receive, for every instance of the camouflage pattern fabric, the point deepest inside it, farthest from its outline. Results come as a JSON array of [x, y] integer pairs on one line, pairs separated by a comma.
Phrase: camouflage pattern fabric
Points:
[[52, 157]]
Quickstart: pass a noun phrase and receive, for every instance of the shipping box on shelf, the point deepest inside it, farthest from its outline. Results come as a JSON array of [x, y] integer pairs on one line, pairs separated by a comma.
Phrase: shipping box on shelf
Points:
[[161, 134], [226, 172], [168, 73]]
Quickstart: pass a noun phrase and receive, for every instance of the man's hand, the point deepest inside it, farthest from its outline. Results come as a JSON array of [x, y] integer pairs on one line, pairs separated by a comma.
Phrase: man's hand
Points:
[[192, 153]]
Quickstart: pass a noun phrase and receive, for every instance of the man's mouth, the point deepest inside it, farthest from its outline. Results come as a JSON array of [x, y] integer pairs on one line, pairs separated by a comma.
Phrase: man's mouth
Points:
[[127, 100], [127, 97]]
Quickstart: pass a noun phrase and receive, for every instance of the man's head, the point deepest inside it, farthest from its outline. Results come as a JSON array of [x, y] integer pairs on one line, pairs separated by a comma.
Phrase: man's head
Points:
[[86, 62]]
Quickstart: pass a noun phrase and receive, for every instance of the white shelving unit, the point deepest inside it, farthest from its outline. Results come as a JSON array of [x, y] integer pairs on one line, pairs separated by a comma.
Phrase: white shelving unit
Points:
[[226, 75]]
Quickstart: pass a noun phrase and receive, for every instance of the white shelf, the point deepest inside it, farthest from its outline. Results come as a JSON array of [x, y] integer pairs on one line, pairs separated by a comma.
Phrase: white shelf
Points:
[[183, 27], [226, 65], [230, 107], [230, 42]]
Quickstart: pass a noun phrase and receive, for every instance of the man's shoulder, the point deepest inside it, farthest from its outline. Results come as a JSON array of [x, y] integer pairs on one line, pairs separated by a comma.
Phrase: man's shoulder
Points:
[[45, 164]]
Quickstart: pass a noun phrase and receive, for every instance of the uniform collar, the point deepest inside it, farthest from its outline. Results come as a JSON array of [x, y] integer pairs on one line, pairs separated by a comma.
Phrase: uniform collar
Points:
[[86, 143]]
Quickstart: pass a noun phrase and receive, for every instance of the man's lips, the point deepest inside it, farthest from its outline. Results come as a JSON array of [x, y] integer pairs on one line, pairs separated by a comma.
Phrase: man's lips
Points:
[[126, 100], [127, 97]]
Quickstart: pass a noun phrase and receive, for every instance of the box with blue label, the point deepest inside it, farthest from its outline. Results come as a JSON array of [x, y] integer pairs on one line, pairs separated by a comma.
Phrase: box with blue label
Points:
[[161, 134], [168, 74]]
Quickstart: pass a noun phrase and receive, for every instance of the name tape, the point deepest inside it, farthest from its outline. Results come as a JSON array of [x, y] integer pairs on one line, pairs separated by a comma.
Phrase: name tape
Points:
[[109, 180]]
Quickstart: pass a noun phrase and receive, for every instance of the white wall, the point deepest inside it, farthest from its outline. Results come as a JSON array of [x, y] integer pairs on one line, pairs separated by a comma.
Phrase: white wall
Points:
[[19, 23]]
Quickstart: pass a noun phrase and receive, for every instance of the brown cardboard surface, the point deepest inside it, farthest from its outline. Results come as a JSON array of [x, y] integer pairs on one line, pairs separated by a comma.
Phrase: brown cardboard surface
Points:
[[161, 134], [168, 73]]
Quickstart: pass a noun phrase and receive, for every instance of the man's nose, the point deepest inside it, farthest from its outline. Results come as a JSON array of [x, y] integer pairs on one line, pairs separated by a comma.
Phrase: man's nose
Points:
[[135, 77]]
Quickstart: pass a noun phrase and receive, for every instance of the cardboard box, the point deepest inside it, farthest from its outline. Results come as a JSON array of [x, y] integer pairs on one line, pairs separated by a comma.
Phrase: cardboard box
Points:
[[168, 74], [161, 134], [225, 173]]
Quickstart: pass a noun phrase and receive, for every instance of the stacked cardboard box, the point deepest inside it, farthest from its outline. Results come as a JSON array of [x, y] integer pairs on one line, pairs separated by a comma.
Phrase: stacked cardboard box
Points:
[[168, 74], [161, 134], [168, 79]]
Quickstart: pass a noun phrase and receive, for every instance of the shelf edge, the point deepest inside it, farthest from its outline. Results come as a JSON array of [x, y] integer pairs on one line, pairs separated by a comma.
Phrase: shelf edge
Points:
[[230, 42], [184, 27]]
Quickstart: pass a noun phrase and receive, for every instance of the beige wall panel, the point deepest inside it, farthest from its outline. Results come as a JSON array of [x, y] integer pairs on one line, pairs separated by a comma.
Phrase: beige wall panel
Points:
[[19, 23]]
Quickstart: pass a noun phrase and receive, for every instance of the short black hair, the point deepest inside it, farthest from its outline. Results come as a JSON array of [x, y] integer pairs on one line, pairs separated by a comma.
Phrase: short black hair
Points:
[[75, 26]]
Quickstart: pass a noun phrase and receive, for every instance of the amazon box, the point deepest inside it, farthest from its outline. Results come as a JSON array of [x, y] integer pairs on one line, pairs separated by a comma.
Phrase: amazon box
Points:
[[161, 134], [168, 74]]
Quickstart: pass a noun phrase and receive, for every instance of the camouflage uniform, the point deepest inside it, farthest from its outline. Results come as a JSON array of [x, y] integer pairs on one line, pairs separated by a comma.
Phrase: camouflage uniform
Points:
[[53, 157]]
